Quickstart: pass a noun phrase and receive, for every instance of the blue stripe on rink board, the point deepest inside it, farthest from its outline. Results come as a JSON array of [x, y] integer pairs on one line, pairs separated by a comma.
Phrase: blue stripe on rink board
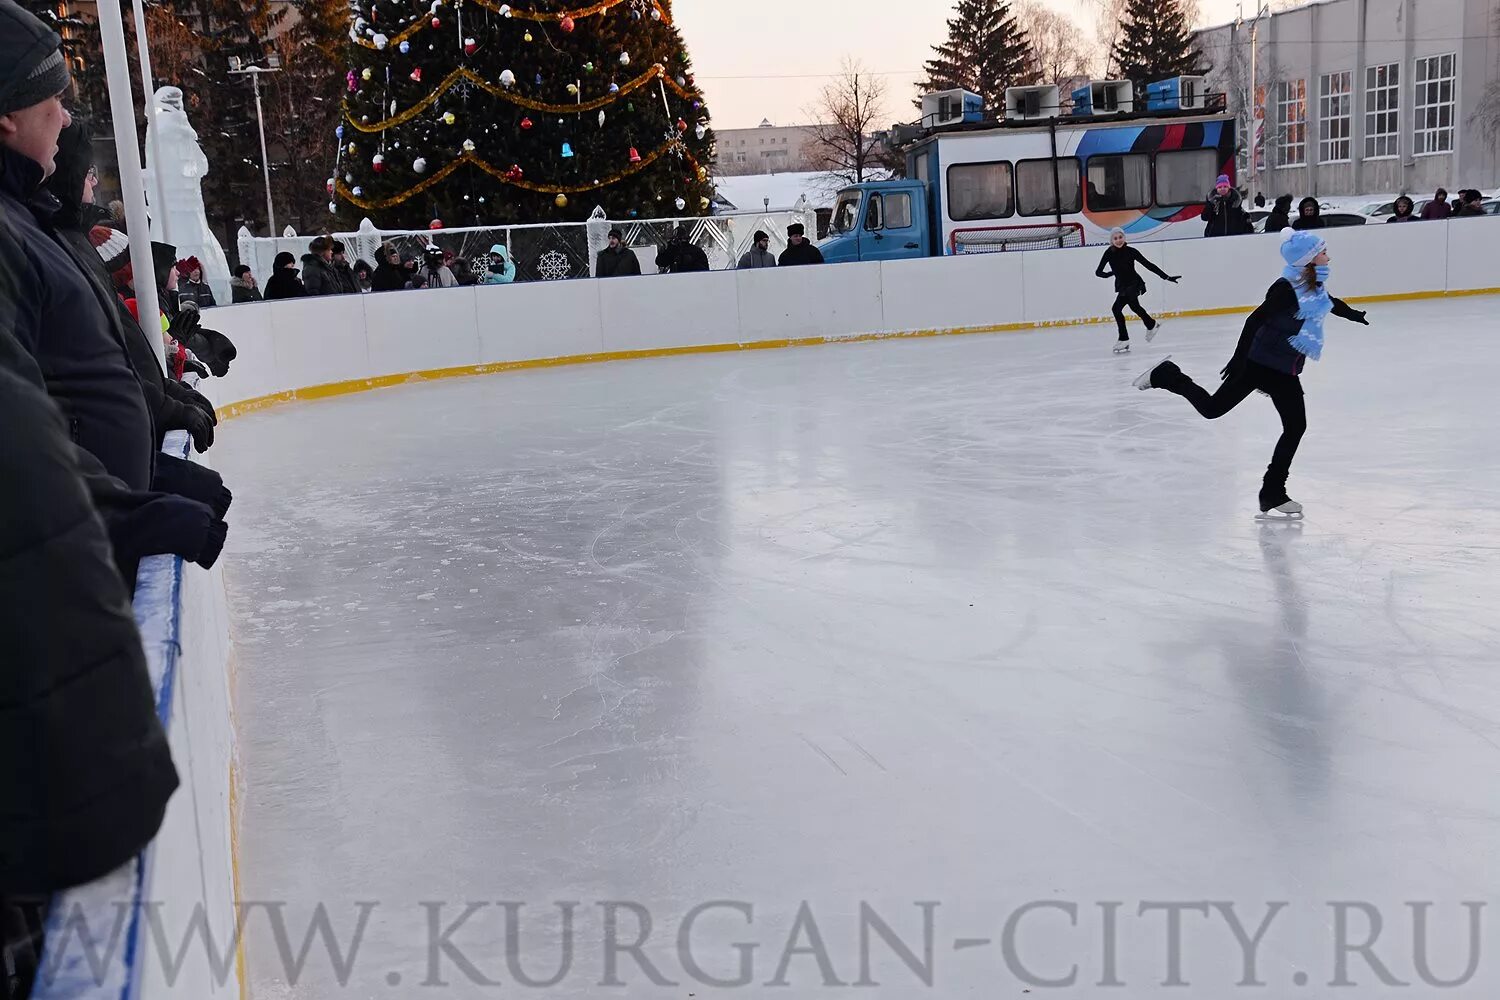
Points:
[[100, 959]]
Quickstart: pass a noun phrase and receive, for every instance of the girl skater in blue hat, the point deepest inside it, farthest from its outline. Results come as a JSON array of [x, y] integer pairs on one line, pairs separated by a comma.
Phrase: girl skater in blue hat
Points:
[[1278, 338]]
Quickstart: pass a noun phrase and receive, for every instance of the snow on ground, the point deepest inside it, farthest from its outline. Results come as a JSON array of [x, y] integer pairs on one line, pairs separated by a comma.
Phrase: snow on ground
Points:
[[965, 620], [749, 192]]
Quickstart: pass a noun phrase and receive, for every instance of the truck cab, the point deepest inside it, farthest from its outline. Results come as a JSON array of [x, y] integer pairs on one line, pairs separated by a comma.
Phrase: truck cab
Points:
[[879, 220]]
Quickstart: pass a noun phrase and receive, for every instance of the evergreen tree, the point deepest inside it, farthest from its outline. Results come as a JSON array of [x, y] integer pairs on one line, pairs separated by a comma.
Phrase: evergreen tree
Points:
[[1155, 43], [477, 111], [987, 51]]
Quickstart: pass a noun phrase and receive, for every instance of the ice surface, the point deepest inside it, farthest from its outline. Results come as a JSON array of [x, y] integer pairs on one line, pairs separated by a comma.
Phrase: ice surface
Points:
[[967, 621]]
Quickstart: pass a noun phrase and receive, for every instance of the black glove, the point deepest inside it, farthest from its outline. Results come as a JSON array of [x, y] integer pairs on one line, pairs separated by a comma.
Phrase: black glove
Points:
[[183, 325], [192, 397], [182, 477], [1358, 316], [199, 427], [213, 544], [195, 366], [1174, 279]]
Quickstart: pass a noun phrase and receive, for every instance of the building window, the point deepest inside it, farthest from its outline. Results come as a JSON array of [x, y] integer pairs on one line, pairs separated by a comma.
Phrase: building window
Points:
[[1291, 118], [1185, 176], [1436, 80], [979, 191], [1036, 192], [1333, 118], [1382, 111], [1119, 182]]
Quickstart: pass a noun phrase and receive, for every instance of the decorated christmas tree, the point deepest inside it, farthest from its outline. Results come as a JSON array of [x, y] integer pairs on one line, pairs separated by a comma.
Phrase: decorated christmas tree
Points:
[[477, 111]]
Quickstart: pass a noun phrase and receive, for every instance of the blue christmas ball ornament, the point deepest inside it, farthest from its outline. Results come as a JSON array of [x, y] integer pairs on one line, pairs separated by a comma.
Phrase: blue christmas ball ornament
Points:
[[614, 88], [339, 132], [405, 47]]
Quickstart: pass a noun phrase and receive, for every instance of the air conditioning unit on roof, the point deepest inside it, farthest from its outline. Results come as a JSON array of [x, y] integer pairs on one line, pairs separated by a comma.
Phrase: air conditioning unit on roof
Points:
[[951, 107], [1104, 97], [1026, 103]]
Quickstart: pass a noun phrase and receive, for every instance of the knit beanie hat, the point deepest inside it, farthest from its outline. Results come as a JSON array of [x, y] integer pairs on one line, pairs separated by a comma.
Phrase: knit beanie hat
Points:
[[32, 67], [761, 234], [1223, 181], [282, 260], [1298, 248], [113, 247], [188, 265]]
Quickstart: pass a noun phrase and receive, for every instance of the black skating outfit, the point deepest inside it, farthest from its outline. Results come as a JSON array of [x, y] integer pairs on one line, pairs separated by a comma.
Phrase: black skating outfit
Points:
[[1129, 287], [1263, 361]]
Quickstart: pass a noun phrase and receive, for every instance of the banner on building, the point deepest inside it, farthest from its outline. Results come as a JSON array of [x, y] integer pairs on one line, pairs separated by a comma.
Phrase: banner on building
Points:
[[1258, 129]]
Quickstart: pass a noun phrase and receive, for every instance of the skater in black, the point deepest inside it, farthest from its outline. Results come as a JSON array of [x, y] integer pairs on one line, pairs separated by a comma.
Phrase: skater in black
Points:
[[1278, 338], [1119, 262]]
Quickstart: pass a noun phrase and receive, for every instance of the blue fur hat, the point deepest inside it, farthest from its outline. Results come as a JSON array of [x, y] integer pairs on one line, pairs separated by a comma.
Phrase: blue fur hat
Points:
[[1299, 248]]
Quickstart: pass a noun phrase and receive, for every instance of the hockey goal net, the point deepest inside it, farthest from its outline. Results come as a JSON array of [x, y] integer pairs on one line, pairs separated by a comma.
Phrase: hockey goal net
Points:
[[998, 239]]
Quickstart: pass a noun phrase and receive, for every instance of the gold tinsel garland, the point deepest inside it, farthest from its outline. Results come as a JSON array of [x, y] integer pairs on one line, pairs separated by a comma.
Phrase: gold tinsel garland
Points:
[[469, 158], [494, 5], [464, 73]]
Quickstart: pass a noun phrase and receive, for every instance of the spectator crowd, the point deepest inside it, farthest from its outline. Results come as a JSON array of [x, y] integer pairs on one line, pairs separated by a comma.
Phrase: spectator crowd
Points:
[[86, 493]]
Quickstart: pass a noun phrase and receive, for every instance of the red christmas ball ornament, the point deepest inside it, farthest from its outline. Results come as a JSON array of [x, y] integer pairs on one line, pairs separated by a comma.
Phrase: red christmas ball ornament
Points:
[[437, 22], [329, 185], [681, 125], [435, 224], [377, 163], [566, 24], [526, 124], [470, 46], [416, 75]]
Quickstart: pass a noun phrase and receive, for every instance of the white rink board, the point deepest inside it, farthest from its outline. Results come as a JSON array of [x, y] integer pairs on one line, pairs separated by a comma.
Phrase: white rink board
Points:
[[458, 328]]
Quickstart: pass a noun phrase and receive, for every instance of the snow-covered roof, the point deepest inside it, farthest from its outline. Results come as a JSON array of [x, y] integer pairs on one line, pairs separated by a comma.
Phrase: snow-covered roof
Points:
[[748, 193]]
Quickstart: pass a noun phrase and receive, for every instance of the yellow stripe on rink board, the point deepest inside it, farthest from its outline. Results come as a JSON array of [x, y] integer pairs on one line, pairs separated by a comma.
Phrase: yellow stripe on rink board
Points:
[[331, 389]]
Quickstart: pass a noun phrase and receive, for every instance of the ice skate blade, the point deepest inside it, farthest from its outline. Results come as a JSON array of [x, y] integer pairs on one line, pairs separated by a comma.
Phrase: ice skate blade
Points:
[[1123, 350], [1274, 517]]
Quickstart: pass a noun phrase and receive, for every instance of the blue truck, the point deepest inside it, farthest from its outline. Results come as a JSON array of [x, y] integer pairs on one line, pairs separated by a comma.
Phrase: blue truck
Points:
[[981, 184]]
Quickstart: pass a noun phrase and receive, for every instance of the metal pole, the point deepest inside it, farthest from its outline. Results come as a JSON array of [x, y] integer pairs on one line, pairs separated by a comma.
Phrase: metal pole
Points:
[[265, 161], [148, 88], [1254, 107], [132, 183]]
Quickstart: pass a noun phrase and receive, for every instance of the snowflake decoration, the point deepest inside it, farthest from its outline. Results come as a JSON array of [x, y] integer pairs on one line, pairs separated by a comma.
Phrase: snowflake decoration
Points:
[[553, 266], [481, 264], [463, 88], [639, 6]]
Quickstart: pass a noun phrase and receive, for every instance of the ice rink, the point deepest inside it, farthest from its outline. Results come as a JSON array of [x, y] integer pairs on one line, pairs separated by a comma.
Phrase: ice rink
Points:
[[962, 636]]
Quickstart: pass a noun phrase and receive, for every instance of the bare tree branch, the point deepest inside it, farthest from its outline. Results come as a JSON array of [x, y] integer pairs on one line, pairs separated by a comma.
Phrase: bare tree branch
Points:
[[846, 113], [1059, 48]]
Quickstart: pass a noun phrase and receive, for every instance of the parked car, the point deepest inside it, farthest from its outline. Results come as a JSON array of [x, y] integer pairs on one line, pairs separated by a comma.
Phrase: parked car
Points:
[[1332, 219]]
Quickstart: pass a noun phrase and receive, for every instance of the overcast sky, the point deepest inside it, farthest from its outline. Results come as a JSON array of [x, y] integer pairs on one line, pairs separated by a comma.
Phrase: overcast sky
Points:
[[768, 58]]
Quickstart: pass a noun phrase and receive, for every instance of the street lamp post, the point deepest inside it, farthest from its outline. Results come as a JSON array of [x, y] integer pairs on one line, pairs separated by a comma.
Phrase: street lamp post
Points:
[[1265, 8], [254, 72]]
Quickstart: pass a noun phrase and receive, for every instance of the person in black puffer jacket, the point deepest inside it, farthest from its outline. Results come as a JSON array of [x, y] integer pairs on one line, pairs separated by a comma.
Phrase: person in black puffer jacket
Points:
[[389, 275], [799, 249], [1309, 216], [1274, 345], [1281, 215], [283, 282], [319, 276], [681, 255]]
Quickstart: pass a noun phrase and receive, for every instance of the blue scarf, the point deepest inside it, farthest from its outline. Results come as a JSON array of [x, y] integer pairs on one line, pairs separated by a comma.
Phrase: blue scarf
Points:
[[1313, 305]]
